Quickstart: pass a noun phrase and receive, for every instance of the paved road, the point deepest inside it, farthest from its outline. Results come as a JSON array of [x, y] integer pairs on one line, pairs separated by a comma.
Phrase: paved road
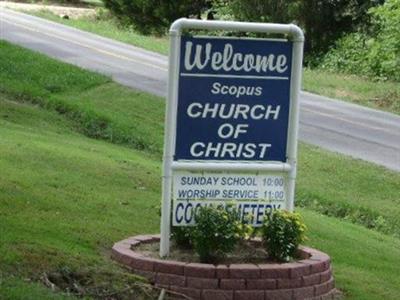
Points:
[[331, 124]]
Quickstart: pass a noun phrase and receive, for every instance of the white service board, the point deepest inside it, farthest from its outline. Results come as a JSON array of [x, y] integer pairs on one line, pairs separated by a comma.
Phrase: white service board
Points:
[[253, 194]]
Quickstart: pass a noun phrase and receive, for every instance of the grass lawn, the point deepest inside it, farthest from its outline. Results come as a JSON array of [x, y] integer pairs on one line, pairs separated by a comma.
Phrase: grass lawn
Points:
[[347, 188], [87, 98], [380, 95], [65, 199], [374, 94], [69, 189]]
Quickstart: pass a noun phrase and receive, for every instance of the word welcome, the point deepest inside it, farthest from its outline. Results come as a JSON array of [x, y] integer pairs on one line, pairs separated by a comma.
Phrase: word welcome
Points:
[[228, 60]]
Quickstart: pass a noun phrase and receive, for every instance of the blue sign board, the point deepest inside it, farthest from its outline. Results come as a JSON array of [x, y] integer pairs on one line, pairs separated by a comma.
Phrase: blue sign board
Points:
[[233, 99]]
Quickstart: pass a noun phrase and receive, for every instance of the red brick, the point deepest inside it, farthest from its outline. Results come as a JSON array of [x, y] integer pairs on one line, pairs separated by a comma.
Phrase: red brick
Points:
[[303, 293], [328, 296], [331, 284], [149, 275], [317, 266], [289, 283], [169, 267], [143, 238], [142, 263], [261, 284], [189, 292], [233, 284], [324, 266], [321, 289], [312, 279], [222, 271], [317, 253], [306, 249], [274, 271], [200, 270], [217, 295], [299, 269], [249, 295], [170, 279], [325, 276], [129, 243], [202, 283], [156, 237], [279, 295], [247, 271], [322, 257], [122, 253], [303, 252]]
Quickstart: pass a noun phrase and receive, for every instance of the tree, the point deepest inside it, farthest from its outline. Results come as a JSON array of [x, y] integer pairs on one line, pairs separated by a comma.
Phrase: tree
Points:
[[322, 20], [155, 16]]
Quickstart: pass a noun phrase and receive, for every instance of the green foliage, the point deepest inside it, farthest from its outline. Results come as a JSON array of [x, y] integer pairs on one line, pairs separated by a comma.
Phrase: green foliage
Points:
[[355, 214], [382, 95], [374, 53], [255, 10], [360, 193], [323, 21], [182, 236], [65, 199], [385, 50], [83, 97], [154, 16], [282, 233], [216, 232]]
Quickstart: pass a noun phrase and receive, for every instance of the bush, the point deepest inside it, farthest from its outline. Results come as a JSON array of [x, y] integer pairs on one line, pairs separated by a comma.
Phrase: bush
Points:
[[375, 53], [282, 233], [182, 236], [322, 21], [154, 16], [216, 232], [384, 53]]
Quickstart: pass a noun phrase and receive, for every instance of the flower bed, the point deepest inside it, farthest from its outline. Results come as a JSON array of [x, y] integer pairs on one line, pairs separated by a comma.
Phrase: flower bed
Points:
[[307, 278]]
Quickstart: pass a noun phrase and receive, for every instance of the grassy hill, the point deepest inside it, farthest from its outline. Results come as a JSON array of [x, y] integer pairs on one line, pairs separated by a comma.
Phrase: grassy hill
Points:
[[80, 169]]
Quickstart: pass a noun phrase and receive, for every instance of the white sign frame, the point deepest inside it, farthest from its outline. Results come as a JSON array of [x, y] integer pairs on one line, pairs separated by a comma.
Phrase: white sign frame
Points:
[[295, 34]]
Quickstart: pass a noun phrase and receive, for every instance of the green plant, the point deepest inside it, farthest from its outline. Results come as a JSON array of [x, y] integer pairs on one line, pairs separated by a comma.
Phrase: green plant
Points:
[[216, 232], [373, 53], [154, 16], [322, 21], [282, 232], [182, 236]]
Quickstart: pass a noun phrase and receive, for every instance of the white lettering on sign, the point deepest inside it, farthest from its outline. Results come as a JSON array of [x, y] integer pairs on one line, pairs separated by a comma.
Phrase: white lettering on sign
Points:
[[237, 91], [229, 60], [229, 150], [233, 111]]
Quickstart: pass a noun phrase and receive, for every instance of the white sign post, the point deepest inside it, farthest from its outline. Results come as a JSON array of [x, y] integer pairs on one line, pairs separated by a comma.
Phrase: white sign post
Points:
[[231, 122]]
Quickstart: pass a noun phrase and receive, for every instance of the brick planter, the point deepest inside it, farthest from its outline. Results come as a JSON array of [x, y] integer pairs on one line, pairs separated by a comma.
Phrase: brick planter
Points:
[[308, 278]]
